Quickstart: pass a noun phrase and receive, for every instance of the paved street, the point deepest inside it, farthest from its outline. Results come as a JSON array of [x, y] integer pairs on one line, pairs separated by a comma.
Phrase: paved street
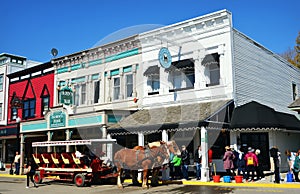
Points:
[[15, 185]]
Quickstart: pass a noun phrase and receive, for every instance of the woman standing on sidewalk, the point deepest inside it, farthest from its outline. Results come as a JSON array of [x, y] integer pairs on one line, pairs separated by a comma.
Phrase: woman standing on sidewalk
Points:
[[259, 168], [297, 166], [228, 161], [251, 163]]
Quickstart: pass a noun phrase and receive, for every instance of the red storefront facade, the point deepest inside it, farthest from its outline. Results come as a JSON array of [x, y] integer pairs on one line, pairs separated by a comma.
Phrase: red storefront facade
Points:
[[30, 97]]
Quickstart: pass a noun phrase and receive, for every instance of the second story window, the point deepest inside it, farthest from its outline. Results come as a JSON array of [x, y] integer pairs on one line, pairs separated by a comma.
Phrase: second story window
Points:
[[14, 114], [214, 74], [116, 88], [83, 93], [129, 85], [182, 74], [295, 91], [1, 82], [96, 91], [153, 84], [212, 69], [77, 95], [45, 104], [176, 80], [29, 108], [80, 94], [1, 111]]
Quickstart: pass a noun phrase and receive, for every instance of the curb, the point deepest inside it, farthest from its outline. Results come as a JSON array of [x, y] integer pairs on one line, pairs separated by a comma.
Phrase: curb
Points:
[[232, 184], [13, 176], [264, 185]]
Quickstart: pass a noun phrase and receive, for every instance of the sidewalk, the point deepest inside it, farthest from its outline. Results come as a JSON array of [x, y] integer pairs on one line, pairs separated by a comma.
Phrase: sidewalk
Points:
[[5, 173], [267, 183]]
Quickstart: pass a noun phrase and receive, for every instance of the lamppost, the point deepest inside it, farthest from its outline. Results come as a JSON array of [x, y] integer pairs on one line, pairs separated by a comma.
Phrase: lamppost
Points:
[[18, 120]]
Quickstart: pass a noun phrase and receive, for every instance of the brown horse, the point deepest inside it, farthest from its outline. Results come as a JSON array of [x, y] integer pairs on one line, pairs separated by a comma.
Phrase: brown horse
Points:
[[172, 147], [139, 158]]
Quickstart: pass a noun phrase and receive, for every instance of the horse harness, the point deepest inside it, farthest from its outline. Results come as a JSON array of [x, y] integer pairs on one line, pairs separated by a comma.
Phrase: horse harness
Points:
[[148, 155]]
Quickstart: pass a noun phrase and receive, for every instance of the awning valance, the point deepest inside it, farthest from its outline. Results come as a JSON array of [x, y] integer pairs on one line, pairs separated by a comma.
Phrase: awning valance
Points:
[[211, 59], [254, 115], [152, 70], [182, 65]]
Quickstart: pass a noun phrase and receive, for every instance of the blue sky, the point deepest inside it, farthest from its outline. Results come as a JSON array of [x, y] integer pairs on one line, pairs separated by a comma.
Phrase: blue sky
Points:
[[32, 28]]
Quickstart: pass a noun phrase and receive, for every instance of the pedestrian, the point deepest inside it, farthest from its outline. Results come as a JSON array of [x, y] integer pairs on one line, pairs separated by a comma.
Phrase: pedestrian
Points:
[[236, 154], [198, 161], [210, 162], [228, 161], [241, 163], [17, 163], [31, 167], [185, 162], [177, 167], [251, 163], [259, 168], [291, 156], [171, 165], [274, 153], [296, 166]]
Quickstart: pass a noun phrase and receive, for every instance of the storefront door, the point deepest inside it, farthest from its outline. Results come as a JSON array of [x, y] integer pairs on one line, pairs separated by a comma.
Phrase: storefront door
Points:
[[258, 141]]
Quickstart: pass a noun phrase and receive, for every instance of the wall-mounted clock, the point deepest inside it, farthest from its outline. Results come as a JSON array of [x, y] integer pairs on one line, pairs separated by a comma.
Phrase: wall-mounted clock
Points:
[[164, 57]]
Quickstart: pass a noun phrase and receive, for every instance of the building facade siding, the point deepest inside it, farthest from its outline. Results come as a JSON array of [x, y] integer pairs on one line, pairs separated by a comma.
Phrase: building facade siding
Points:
[[262, 76]]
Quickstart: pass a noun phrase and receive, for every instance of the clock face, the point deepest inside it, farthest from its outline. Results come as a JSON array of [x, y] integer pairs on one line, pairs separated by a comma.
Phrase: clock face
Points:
[[164, 57]]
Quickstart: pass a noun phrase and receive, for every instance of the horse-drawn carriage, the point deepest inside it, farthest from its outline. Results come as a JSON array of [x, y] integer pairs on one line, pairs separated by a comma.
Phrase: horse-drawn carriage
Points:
[[69, 167]]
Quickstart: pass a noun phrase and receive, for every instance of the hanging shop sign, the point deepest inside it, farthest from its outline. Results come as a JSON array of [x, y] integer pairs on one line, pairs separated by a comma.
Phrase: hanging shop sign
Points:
[[57, 119], [66, 96]]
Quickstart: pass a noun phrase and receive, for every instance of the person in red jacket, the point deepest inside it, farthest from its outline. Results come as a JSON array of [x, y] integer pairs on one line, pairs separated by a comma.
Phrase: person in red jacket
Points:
[[251, 163], [210, 164]]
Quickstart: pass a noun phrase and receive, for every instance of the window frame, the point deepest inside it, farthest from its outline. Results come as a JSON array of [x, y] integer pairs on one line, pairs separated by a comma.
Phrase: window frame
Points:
[[116, 87], [294, 91], [183, 76], [128, 84], [83, 93], [210, 70], [151, 81], [43, 104], [1, 81], [96, 93], [29, 109], [1, 109], [79, 94]]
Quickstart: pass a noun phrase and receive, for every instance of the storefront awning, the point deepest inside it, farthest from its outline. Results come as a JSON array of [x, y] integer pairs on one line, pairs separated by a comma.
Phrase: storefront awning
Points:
[[254, 115], [183, 65], [8, 132], [152, 70], [172, 117], [211, 59]]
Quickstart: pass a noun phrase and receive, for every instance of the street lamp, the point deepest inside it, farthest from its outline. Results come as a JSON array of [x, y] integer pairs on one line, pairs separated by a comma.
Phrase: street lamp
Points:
[[18, 120]]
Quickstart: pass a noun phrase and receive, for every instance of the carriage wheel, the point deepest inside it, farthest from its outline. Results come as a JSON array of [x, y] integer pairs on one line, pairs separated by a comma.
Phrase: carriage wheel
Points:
[[79, 180], [37, 178]]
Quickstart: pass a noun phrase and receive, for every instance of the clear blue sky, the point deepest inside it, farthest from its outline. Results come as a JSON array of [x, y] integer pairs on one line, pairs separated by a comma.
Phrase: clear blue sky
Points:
[[31, 28]]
